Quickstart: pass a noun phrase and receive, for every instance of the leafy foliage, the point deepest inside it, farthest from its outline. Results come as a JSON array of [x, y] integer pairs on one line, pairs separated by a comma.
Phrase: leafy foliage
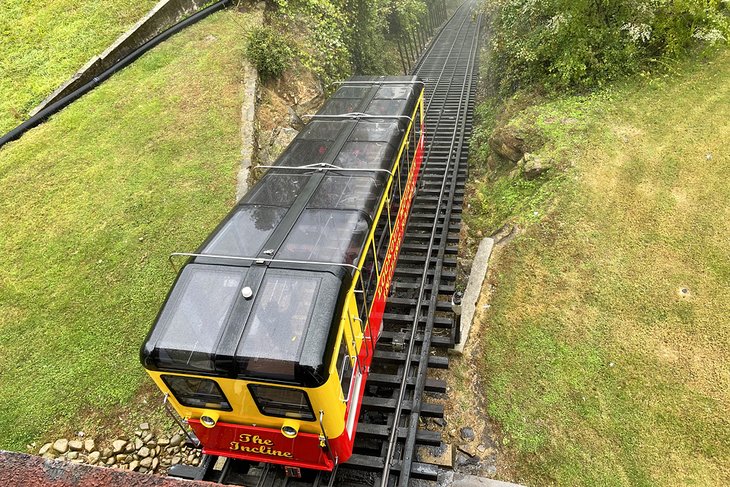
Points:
[[268, 51], [585, 43]]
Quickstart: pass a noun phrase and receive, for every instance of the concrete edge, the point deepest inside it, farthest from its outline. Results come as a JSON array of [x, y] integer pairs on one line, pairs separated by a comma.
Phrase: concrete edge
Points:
[[473, 289], [164, 14], [474, 481]]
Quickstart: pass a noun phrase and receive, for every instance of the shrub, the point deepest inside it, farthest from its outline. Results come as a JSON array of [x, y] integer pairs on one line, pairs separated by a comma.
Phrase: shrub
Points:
[[269, 52], [585, 43]]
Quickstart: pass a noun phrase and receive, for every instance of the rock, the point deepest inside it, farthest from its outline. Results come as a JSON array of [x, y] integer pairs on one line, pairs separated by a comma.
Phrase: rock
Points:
[[106, 452], [76, 445], [49, 455], [44, 449], [295, 120], [190, 458], [120, 457], [138, 443], [72, 455], [145, 462], [176, 459], [144, 426], [163, 441], [129, 448], [134, 465], [176, 440], [77, 461], [441, 422], [111, 461], [148, 437], [118, 446], [155, 463], [89, 445], [144, 452], [532, 166], [467, 434], [507, 144], [151, 444], [138, 433], [491, 470], [196, 462], [158, 449], [60, 446], [142, 470], [94, 457], [153, 453]]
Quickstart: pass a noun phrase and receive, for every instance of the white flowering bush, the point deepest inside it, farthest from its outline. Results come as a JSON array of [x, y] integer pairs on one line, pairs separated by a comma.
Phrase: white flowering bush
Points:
[[585, 43]]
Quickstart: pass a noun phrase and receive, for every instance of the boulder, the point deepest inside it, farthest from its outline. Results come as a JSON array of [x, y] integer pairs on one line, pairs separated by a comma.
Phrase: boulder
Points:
[[118, 446], [144, 452], [533, 166], [145, 462], [44, 449], [94, 457], [89, 445], [508, 145], [60, 446], [76, 445], [176, 440]]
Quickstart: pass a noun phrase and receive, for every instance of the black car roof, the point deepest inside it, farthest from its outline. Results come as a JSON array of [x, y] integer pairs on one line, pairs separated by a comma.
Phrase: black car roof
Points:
[[261, 297]]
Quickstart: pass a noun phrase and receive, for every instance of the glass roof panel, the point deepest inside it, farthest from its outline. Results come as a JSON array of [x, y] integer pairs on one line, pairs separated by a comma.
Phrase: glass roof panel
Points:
[[393, 91], [381, 131], [304, 153], [365, 155], [348, 193], [278, 322], [277, 189], [386, 107], [340, 106], [351, 91], [195, 313], [335, 236], [321, 129], [246, 231]]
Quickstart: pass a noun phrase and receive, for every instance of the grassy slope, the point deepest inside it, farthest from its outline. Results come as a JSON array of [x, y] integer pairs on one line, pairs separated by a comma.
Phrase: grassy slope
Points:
[[43, 43], [94, 201], [599, 371]]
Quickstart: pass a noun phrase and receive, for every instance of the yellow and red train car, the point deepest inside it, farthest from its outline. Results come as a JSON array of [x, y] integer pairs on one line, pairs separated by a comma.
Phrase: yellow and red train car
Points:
[[265, 341]]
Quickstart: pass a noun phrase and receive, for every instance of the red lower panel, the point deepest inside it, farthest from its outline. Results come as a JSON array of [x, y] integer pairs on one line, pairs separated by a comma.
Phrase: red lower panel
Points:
[[265, 445]]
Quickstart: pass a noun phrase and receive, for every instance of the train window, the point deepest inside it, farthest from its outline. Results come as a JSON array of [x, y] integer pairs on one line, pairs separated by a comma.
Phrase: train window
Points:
[[382, 235], [348, 193], [344, 368], [194, 392], [277, 189], [282, 402], [245, 232], [366, 286], [326, 236]]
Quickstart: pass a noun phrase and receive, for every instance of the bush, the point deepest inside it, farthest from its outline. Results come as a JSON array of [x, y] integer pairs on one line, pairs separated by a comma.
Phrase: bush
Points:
[[585, 43], [269, 52]]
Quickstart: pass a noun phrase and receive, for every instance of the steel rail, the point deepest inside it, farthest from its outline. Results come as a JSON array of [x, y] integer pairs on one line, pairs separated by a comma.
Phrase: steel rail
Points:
[[426, 345], [405, 468]]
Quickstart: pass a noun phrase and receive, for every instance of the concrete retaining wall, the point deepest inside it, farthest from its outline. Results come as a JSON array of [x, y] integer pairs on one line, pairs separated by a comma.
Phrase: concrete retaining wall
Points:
[[163, 15]]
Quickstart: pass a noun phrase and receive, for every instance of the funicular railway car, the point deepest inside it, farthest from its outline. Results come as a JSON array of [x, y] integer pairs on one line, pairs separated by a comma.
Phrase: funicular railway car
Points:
[[265, 341]]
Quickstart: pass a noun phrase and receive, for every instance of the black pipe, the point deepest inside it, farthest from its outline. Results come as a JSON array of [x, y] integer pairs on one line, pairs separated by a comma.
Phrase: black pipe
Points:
[[57, 106]]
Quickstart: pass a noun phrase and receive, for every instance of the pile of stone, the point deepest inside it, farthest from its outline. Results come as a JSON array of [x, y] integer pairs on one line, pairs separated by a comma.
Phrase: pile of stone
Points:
[[142, 452]]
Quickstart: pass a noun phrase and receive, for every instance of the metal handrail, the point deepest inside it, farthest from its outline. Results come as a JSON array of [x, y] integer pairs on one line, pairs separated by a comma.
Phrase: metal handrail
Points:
[[323, 166], [259, 260], [357, 115]]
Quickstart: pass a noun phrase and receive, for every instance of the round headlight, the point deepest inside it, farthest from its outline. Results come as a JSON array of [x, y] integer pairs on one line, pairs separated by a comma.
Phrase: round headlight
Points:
[[209, 420], [289, 430]]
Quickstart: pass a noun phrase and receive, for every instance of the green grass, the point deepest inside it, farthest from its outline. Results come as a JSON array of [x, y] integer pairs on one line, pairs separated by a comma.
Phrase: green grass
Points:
[[599, 371], [43, 43], [93, 203]]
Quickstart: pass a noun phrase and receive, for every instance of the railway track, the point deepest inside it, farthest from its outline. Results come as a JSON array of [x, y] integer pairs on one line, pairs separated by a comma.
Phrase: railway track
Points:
[[418, 320]]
